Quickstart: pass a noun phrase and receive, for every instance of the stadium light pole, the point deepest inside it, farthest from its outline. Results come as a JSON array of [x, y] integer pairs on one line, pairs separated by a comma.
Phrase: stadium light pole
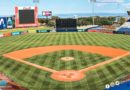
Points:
[[93, 6], [36, 1], [93, 11]]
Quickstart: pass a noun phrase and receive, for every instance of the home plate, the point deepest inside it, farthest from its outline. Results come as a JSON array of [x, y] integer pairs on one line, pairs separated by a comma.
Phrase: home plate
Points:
[[68, 76]]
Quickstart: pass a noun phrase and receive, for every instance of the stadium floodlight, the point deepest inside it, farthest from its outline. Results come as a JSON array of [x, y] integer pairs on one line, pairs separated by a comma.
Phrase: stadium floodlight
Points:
[[93, 12], [36, 1], [92, 0], [102, 1]]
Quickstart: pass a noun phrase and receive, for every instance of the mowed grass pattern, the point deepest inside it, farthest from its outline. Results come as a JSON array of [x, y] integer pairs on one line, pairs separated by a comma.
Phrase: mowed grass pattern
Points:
[[35, 79], [81, 60]]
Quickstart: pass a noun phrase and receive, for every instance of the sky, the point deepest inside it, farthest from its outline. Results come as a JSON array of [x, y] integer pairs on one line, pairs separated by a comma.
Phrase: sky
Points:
[[67, 6]]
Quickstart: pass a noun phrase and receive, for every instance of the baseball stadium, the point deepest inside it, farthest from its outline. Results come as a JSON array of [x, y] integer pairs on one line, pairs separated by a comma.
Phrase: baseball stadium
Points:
[[52, 52]]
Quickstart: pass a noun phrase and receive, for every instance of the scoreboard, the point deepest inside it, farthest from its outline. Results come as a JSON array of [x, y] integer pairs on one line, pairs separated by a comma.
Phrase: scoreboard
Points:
[[66, 23], [26, 16]]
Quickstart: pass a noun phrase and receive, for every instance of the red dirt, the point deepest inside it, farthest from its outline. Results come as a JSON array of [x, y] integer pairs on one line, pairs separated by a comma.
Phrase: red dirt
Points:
[[68, 76], [106, 51]]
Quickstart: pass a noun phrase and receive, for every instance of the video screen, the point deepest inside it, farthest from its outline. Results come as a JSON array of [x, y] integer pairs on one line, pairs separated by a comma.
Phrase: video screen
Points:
[[26, 16], [66, 23]]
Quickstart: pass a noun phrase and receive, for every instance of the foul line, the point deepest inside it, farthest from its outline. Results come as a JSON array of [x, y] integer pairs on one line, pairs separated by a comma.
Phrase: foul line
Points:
[[82, 70], [104, 63], [32, 64]]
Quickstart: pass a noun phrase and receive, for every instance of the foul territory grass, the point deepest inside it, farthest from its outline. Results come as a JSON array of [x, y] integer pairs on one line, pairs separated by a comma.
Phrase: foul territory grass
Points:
[[35, 79]]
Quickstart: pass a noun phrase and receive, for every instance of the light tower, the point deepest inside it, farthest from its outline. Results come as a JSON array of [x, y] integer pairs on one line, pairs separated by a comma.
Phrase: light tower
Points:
[[93, 11], [101, 1], [36, 1]]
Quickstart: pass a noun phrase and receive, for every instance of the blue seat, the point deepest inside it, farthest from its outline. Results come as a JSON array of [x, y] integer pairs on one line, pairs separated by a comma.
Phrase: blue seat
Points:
[[123, 86], [123, 30], [3, 83], [128, 20]]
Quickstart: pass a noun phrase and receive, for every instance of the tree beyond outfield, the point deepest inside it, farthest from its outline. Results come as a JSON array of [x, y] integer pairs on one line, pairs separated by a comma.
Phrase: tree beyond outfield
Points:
[[85, 21]]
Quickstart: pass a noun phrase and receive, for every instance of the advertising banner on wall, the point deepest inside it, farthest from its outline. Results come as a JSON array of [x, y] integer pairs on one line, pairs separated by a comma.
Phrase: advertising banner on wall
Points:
[[3, 22], [47, 13], [9, 22]]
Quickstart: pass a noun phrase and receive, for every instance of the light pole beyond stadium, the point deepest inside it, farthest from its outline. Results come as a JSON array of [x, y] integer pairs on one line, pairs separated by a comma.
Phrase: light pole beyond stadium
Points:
[[36, 1], [100, 1]]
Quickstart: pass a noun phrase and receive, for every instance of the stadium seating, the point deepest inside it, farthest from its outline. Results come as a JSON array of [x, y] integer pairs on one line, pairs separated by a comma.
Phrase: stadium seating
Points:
[[124, 29], [3, 83], [123, 86]]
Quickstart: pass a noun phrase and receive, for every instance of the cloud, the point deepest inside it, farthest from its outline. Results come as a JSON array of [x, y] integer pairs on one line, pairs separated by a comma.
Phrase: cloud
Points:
[[126, 6]]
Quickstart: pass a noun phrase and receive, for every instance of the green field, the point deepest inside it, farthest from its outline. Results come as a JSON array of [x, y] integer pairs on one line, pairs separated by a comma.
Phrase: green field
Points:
[[81, 60], [35, 79]]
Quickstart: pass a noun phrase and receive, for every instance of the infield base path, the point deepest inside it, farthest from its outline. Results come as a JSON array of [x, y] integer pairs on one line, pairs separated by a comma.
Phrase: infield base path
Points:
[[67, 75]]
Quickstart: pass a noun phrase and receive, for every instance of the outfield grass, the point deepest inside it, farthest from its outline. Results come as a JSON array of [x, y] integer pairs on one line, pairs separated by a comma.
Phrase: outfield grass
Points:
[[35, 79]]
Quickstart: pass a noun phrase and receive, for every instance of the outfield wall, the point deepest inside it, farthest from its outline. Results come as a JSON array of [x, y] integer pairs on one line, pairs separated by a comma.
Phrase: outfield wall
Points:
[[7, 34]]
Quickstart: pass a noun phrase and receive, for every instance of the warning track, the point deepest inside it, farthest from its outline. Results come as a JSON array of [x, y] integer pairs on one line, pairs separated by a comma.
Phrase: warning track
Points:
[[105, 51]]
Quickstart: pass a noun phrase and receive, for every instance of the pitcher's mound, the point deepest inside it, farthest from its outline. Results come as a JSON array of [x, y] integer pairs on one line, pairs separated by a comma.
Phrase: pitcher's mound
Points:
[[67, 58], [68, 76]]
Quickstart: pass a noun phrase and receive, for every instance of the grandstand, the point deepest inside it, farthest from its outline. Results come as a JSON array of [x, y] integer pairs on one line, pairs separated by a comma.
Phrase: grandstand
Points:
[[125, 28]]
